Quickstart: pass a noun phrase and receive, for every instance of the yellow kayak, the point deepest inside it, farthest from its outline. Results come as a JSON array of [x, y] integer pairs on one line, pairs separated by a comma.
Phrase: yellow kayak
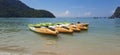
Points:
[[64, 29], [44, 30], [82, 27], [85, 24], [74, 27]]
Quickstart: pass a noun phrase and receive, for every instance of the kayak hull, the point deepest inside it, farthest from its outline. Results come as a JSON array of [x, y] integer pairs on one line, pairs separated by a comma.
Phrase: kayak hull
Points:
[[63, 30], [82, 27], [44, 31], [74, 28], [85, 24]]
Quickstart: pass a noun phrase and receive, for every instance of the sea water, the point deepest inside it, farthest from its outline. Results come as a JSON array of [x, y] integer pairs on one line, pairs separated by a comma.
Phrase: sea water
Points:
[[101, 38]]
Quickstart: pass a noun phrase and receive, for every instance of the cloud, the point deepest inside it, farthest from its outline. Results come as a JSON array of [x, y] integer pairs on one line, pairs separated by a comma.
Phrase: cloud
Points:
[[66, 13], [87, 14], [113, 11]]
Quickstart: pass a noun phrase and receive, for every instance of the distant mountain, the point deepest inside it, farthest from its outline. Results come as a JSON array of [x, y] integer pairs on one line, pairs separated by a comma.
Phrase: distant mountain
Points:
[[116, 13], [15, 8]]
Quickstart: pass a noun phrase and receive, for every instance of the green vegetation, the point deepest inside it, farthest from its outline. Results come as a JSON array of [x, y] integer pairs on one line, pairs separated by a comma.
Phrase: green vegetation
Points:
[[15, 8], [47, 24]]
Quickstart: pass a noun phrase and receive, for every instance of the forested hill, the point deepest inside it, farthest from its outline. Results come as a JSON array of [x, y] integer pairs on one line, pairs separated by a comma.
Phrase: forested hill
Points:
[[15, 8]]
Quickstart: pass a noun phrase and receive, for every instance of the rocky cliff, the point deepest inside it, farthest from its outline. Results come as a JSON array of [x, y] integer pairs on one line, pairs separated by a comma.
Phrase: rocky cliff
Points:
[[116, 13]]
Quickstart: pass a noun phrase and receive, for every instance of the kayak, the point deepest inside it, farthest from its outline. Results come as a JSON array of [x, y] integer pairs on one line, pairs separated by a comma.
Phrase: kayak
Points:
[[84, 24], [82, 27], [74, 28], [64, 29], [71, 27], [44, 30], [55, 28]]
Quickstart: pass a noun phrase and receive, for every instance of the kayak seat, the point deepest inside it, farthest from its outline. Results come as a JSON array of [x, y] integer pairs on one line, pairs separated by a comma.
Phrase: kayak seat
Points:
[[51, 28], [65, 27]]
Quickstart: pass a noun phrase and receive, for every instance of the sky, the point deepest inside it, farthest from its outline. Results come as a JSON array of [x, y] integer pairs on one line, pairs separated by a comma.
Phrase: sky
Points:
[[76, 8]]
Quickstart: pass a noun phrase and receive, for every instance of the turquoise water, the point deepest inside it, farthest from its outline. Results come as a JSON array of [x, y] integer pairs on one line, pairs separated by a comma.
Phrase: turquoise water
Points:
[[102, 38]]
